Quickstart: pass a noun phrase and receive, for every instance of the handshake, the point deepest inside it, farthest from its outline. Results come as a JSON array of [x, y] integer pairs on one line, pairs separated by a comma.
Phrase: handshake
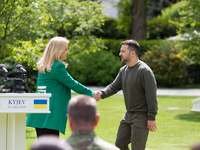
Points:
[[97, 95]]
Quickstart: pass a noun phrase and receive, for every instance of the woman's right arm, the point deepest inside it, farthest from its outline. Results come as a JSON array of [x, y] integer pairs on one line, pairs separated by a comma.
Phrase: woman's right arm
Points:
[[65, 78]]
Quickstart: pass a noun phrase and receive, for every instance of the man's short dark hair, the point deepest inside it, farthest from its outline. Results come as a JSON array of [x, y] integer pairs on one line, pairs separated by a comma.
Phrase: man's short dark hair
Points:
[[132, 46], [82, 109]]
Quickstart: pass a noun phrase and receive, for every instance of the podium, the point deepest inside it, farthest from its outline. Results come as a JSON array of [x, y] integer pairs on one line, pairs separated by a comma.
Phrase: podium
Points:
[[196, 104], [13, 109]]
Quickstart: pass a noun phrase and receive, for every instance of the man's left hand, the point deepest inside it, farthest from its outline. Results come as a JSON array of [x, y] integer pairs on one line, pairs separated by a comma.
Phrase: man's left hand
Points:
[[151, 125]]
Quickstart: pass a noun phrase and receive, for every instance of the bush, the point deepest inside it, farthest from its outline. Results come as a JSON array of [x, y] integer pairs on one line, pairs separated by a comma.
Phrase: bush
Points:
[[169, 69], [162, 27], [110, 30], [112, 45], [172, 12], [194, 72], [94, 68], [159, 28]]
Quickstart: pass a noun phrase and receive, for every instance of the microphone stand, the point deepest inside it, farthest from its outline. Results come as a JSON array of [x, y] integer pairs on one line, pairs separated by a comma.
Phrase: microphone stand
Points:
[[5, 80], [23, 79], [5, 77]]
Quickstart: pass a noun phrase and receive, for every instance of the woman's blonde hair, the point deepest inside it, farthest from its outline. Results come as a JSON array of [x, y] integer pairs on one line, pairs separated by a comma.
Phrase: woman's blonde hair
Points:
[[52, 53]]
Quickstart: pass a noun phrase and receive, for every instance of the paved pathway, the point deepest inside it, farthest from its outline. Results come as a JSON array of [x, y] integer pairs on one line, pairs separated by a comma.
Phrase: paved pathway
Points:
[[186, 92], [161, 91]]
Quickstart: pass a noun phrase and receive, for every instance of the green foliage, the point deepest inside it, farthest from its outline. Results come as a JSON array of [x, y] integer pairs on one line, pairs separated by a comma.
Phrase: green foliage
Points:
[[110, 31], [94, 68], [157, 28], [155, 7], [162, 26], [172, 12], [148, 45], [27, 21], [194, 73], [85, 44], [190, 24], [125, 17], [79, 18], [168, 66], [31, 52], [22, 21], [112, 45]]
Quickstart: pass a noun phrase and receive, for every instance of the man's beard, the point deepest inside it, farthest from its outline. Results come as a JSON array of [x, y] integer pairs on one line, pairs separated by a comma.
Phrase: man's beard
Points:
[[125, 60]]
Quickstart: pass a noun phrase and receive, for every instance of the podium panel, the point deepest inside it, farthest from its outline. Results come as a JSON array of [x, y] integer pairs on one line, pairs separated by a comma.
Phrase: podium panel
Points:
[[24, 103], [3, 118], [13, 109], [196, 104]]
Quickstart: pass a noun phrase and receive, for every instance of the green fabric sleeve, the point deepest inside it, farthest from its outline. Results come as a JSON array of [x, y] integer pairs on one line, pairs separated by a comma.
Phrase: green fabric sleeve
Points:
[[64, 77]]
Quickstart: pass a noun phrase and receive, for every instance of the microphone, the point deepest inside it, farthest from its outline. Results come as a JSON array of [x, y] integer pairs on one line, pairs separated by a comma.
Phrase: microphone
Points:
[[3, 68], [20, 68]]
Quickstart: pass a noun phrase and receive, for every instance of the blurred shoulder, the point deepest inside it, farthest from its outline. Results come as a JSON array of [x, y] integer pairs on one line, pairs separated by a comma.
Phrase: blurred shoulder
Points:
[[105, 145]]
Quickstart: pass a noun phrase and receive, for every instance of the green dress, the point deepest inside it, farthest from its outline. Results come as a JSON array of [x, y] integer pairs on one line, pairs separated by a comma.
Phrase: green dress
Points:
[[59, 83]]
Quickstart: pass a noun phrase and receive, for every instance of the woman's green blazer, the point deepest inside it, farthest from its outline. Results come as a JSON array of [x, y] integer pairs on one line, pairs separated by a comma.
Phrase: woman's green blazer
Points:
[[59, 83]]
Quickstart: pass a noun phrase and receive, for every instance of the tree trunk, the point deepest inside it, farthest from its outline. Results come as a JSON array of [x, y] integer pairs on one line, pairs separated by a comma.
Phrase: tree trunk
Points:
[[138, 27]]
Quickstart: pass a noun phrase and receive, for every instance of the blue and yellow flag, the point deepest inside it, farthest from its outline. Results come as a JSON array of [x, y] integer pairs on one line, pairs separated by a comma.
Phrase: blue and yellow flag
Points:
[[40, 104]]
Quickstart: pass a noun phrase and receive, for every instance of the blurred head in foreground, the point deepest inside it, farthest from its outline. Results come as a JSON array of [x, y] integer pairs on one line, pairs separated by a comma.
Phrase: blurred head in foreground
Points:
[[50, 142], [82, 113]]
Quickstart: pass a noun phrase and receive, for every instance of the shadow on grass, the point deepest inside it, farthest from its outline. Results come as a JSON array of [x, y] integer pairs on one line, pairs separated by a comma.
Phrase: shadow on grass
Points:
[[192, 116]]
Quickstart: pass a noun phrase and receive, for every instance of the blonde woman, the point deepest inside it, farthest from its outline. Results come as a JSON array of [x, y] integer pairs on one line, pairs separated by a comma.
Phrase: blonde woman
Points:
[[52, 74]]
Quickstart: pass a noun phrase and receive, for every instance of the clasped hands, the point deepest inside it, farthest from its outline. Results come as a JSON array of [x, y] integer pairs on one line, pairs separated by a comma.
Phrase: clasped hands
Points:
[[97, 95]]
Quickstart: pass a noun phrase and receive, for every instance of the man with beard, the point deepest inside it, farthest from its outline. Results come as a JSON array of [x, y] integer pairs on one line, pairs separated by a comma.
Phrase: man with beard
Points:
[[138, 83]]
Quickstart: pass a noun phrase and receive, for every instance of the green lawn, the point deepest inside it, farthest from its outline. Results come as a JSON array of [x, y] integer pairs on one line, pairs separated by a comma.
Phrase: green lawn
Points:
[[178, 127]]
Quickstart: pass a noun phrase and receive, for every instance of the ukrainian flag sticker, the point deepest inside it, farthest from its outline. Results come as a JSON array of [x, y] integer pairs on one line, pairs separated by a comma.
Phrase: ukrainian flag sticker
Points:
[[40, 104]]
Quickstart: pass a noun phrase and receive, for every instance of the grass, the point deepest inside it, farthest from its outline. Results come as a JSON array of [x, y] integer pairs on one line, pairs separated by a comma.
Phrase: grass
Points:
[[178, 127]]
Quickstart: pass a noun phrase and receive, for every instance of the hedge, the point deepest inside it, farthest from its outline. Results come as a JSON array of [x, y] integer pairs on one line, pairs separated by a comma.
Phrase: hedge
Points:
[[101, 67], [169, 69], [94, 68]]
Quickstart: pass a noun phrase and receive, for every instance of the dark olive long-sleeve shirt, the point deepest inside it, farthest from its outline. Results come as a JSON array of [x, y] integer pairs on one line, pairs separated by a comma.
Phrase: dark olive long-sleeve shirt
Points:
[[139, 88]]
